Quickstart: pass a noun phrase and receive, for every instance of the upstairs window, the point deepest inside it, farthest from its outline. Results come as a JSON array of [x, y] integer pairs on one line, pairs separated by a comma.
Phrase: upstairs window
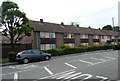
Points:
[[68, 35], [95, 36], [42, 34], [84, 36], [51, 35]]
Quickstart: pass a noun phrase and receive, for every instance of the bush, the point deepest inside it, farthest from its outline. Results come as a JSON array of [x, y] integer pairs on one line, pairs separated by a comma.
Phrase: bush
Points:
[[66, 49], [12, 56], [66, 46], [116, 47]]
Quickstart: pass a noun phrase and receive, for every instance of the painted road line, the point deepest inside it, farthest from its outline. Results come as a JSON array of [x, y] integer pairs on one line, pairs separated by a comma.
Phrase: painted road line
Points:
[[64, 75], [71, 65], [70, 76], [15, 76], [24, 70], [104, 78], [87, 76], [97, 59], [109, 57], [55, 74], [86, 62], [50, 72]]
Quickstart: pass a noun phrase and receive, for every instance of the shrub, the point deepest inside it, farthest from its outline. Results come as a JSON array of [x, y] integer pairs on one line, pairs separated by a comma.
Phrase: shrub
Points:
[[12, 56], [80, 46], [116, 47], [66, 46]]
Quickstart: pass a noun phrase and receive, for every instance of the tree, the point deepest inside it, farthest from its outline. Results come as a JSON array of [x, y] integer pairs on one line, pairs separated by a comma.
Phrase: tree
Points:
[[116, 28], [16, 23], [107, 27]]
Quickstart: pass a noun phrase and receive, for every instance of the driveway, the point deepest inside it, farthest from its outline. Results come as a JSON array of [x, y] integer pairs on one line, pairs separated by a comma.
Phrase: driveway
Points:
[[98, 65]]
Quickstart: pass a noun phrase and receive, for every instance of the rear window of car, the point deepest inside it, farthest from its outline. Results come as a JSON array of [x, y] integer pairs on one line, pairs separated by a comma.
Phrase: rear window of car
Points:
[[28, 52], [36, 52]]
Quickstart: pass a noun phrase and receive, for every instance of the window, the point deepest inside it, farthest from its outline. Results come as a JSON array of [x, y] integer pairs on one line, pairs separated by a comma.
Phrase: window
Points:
[[70, 35], [51, 35], [28, 52], [113, 37], [86, 44], [84, 36], [36, 52], [52, 46], [43, 47], [95, 37], [42, 34], [65, 35], [72, 45], [103, 37], [96, 43]]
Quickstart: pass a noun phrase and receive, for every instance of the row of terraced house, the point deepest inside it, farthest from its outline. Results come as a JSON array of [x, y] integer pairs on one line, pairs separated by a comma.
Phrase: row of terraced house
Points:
[[50, 35]]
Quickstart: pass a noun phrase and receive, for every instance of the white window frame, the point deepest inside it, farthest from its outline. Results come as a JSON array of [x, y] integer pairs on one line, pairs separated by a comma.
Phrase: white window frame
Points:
[[43, 47], [52, 46], [51, 35], [42, 33]]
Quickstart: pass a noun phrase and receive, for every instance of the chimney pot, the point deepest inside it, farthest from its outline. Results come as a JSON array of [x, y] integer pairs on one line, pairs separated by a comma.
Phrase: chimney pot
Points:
[[62, 23], [41, 20]]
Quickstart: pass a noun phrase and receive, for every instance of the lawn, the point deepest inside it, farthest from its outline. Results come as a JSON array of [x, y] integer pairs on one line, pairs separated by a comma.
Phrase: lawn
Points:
[[3, 60]]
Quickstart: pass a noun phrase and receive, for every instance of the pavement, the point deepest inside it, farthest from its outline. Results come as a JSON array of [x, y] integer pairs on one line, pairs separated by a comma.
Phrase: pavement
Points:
[[97, 65]]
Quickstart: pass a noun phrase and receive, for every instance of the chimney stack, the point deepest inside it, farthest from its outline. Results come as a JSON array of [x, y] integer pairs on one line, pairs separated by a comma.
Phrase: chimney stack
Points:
[[41, 20], [62, 23]]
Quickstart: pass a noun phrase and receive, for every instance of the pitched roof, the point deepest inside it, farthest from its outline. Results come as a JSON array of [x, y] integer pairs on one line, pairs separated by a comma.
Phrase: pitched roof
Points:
[[52, 27]]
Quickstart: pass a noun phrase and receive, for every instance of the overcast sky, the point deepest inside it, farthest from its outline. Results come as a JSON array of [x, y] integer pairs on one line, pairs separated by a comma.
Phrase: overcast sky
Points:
[[94, 13]]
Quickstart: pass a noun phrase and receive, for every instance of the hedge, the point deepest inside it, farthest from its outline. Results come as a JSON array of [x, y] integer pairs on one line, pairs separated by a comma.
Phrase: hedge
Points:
[[80, 49], [12, 56]]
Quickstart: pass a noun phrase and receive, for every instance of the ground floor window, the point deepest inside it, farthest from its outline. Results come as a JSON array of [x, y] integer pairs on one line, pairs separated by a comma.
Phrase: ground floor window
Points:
[[42, 47], [47, 46], [95, 42], [85, 44], [52, 46], [70, 44]]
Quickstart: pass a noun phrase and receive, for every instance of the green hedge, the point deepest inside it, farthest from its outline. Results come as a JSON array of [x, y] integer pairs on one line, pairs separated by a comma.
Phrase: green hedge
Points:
[[116, 47], [79, 49], [12, 56]]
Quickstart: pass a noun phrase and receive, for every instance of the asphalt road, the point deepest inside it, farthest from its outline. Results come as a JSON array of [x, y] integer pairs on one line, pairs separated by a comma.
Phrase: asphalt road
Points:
[[98, 66]]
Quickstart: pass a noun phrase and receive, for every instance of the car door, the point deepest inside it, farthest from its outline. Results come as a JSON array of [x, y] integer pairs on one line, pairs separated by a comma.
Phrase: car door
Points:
[[29, 54], [37, 55]]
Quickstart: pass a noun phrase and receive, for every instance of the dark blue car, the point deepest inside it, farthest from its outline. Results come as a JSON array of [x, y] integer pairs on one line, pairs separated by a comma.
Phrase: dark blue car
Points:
[[27, 56]]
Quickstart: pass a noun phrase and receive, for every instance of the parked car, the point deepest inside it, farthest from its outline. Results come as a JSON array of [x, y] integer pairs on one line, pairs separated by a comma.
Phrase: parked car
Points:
[[27, 56]]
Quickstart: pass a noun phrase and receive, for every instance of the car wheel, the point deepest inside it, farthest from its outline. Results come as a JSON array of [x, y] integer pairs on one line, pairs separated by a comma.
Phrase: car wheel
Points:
[[46, 58], [25, 60]]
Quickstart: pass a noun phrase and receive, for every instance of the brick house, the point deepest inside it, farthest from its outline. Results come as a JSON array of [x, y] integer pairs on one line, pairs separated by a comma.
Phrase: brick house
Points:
[[50, 35]]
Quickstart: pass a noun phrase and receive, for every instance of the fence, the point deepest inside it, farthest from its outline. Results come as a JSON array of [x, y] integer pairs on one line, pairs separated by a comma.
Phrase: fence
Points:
[[18, 47]]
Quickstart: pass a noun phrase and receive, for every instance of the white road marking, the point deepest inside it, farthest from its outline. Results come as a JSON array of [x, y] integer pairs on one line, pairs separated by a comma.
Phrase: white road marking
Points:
[[109, 57], [88, 76], [24, 70], [71, 65], [104, 78], [50, 72], [56, 74], [15, 76], [70, 76], [64, 75], [86, 62], [98, 59]]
